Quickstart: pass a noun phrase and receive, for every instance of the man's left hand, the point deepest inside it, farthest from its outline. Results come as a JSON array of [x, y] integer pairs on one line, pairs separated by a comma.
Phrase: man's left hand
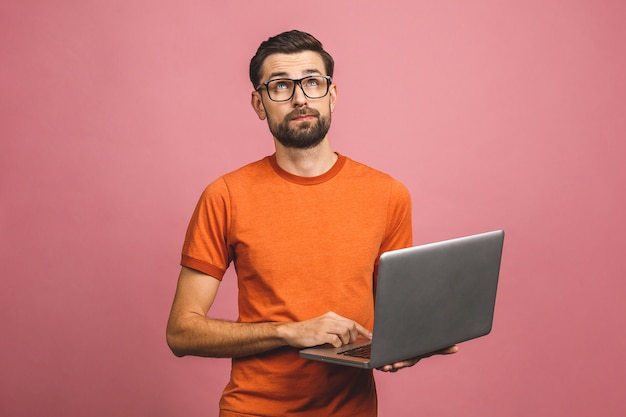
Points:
[[394, 367]]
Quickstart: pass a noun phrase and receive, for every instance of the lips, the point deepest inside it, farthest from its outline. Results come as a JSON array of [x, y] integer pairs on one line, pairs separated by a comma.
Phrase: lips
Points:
[[303, 115], [306, 118]]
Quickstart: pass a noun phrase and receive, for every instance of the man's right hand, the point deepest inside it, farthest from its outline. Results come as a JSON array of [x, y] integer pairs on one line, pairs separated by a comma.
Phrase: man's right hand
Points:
[[328, 328]]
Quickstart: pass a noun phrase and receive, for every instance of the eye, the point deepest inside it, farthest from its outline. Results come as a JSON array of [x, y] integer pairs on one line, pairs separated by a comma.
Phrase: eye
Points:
[[280, 85], [313, 82]]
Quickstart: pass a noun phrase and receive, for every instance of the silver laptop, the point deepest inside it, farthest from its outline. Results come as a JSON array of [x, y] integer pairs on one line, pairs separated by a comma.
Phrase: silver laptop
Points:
[[428, 298]]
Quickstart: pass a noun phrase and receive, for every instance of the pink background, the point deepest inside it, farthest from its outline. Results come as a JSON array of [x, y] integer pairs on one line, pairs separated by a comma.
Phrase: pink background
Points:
[[496, 114]]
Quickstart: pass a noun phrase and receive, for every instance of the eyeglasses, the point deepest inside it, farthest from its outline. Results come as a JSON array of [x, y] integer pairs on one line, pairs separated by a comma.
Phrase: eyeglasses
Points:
[[283, 89]]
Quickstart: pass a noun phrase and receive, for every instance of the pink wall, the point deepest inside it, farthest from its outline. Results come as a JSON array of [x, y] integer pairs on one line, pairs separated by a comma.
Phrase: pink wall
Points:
[[114, 115]]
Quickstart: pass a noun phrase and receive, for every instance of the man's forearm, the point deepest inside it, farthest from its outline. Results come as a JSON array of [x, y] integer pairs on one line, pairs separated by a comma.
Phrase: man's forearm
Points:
[[201, 336], [194, 334]]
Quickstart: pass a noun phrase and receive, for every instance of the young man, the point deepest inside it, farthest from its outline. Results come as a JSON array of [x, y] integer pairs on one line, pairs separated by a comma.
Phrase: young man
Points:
[[305, 228]]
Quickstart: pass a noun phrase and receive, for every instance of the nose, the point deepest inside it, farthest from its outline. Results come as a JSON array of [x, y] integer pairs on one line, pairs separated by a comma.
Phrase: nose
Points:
[[299, 99]]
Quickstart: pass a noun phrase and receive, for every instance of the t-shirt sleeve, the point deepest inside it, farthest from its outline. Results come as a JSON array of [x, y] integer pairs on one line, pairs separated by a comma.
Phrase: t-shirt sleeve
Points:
[[399, 227], [206, 247], [399, 230]]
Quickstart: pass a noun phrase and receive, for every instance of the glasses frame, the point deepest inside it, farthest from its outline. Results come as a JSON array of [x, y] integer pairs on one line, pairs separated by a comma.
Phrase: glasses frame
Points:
[[295, 83]]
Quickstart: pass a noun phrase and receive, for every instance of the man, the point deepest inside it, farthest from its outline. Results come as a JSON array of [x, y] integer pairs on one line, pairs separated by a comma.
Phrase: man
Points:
[[305, 228]]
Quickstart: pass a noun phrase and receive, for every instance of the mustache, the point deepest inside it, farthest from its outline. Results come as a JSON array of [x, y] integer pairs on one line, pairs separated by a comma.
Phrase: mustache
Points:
[[302, 112]]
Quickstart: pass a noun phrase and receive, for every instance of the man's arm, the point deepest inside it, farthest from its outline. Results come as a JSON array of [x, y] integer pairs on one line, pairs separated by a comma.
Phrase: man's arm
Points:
[[394, 367], [191, 332]]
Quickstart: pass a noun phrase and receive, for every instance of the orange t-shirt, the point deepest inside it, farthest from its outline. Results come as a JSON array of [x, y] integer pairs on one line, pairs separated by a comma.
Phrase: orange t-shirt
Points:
[[301, 246]]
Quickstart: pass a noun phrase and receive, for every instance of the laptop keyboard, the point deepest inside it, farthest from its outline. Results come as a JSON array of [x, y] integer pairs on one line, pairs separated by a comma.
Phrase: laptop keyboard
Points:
[[358, 352]]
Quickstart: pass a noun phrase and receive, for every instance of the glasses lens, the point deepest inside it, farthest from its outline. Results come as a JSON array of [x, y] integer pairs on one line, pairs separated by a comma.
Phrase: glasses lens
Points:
[[283, 89], [280, 90], [315, 87]]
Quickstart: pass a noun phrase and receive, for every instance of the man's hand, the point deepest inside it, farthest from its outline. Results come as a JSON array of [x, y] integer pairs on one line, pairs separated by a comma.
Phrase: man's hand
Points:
[[394, 367], [328, 328]]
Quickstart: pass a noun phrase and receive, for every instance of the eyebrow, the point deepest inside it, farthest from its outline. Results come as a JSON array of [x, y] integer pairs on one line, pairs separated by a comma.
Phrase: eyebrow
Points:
[[282, 74]]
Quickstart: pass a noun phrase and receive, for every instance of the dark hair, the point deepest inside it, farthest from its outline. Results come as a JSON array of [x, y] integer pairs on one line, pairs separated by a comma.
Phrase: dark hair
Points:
[[288, 43]]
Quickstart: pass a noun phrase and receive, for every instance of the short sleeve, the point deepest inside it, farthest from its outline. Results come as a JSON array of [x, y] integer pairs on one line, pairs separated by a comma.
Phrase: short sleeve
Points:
[[206, 247], [399, 227]]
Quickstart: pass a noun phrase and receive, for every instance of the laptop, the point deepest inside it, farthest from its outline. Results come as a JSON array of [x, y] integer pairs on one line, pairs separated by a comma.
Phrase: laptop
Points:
[[429, 297]]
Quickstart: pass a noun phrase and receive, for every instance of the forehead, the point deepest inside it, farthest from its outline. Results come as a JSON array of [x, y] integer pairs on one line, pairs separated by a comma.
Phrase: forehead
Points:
[[296, 65]]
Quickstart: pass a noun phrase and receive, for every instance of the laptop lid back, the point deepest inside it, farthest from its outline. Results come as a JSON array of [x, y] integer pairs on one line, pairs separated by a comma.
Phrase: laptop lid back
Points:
[[433, 296]]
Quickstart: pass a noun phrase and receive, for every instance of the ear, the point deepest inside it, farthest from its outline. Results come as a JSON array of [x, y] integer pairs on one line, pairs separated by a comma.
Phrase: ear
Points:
[[257, 105], [333, 96]]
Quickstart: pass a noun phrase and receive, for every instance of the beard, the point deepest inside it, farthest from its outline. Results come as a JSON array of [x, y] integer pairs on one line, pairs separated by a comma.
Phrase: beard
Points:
[[305, 135]]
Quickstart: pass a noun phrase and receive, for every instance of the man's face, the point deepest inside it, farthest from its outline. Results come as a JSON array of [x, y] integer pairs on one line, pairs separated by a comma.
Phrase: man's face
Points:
[[301, 122]]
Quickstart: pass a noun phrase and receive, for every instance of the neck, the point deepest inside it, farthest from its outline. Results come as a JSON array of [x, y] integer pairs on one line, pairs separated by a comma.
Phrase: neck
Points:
[[306, 162]]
